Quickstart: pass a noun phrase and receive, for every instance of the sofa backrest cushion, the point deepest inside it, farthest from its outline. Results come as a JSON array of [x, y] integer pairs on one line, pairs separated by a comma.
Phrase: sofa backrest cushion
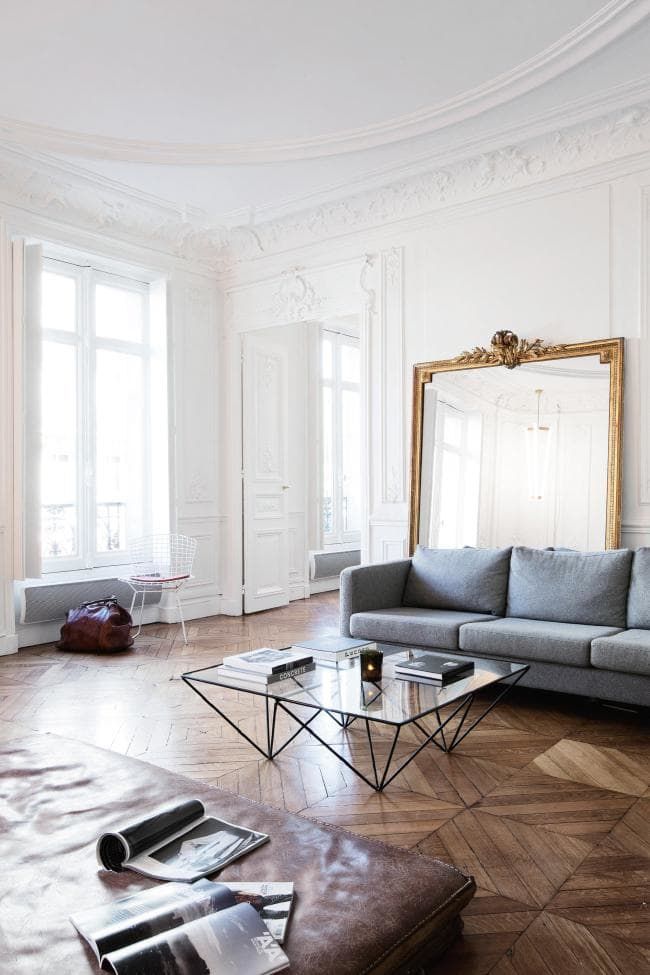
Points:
[[569, 587], [473, 579], [638, 603]]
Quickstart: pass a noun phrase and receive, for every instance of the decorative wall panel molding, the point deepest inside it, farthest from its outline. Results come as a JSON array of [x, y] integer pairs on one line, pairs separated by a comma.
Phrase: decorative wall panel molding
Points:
[[392, 372]]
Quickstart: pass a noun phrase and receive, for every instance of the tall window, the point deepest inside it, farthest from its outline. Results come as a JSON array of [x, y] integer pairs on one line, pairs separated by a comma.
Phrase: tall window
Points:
[[103, 400], [341, 438], [456, 477]]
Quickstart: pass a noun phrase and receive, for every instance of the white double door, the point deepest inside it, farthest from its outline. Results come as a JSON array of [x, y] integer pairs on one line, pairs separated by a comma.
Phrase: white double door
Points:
[[265, 482]]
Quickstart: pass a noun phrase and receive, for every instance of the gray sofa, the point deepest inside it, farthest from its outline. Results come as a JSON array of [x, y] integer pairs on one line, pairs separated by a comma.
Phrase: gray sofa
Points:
[[581, 619]]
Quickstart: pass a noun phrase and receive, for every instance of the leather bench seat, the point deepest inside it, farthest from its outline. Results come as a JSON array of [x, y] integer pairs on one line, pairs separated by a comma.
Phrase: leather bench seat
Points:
[[362, 907]]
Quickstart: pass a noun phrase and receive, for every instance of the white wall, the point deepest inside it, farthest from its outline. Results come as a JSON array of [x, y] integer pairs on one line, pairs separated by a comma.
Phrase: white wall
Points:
[[563, 260]]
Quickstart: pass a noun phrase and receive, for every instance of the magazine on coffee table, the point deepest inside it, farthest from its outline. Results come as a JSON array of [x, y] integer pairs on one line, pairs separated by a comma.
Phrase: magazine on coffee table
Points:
[[177, 843], [139, 917]]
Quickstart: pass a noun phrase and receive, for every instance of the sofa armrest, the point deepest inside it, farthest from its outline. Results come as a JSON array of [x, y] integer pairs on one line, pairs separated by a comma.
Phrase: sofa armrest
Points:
[[369, 587]]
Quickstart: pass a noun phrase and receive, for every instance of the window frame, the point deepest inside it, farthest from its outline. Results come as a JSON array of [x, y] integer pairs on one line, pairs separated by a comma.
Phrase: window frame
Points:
[[338, 536], [87, 343]]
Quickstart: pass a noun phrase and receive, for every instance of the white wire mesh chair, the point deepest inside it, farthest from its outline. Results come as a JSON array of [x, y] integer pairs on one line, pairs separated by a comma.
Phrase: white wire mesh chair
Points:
[[159, 564]]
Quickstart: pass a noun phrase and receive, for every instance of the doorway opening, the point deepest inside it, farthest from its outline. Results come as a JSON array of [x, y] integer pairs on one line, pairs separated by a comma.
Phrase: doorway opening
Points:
[[303, 489]]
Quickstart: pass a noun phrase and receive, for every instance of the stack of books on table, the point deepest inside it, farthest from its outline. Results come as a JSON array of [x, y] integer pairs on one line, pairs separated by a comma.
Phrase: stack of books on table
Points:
[[434, 668], [259, 668], [334, 649]]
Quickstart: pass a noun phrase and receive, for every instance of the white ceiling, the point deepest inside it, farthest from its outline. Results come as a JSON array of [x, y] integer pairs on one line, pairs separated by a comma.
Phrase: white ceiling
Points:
[[226, 106]]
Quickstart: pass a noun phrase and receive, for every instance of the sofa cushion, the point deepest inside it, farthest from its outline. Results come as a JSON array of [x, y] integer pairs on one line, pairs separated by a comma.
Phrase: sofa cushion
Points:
[[628, 652], [473, 580], [410, 625], [570, 587], [638, 603], [524, 639]]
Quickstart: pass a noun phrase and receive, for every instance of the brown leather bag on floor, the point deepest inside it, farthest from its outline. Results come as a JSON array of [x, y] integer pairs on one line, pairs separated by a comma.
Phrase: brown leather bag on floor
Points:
[[101, 624]]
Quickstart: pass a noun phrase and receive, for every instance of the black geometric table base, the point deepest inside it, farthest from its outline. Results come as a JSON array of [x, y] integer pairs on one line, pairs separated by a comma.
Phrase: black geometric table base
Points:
[[381, 776]]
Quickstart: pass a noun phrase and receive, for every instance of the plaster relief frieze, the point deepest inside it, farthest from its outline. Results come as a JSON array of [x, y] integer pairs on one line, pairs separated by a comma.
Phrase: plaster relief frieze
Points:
[[66, 193], [295, 299]]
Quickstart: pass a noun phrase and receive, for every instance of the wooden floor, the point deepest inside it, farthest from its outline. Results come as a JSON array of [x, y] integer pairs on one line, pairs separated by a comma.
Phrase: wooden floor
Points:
[[547, 803]]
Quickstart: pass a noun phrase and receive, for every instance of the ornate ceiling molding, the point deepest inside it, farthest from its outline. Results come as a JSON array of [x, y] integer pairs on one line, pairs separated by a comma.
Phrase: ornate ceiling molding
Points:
[[609, 23], [76, 198]]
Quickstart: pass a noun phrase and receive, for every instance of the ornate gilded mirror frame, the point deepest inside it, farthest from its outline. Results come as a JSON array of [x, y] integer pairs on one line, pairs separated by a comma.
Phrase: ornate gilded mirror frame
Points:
[[509, 351]]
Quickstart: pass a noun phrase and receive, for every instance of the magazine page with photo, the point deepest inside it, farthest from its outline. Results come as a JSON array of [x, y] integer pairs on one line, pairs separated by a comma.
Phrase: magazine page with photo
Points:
[[232, 942], [140, 916], [177, 843]]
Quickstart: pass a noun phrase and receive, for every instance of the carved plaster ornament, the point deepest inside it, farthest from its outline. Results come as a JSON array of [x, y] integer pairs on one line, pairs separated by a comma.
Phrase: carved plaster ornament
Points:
[[507, 349]]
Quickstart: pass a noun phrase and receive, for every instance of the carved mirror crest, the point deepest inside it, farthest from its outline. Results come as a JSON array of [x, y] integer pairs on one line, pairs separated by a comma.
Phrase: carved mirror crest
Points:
[[519, 443]]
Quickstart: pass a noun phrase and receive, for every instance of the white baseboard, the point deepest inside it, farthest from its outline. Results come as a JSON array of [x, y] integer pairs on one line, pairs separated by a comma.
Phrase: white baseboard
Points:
[[232, 606], [193, 609], [8, 644], [300, 590], [324, 585]]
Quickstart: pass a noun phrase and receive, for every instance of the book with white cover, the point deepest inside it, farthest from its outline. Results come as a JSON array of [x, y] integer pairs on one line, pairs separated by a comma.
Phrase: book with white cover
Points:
[[334, 648], [268, 661], [264, 680]]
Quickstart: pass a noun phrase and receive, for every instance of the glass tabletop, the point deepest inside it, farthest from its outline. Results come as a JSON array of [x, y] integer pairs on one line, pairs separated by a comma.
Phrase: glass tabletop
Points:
[[339, 688]]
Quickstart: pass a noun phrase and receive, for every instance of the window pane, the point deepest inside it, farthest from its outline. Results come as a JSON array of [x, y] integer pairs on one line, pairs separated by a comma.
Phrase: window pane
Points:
[[350, 360], [120, 404], [452, 432], [351, 437], [449, 498], [328, 462], [118, 313], [58, 458], [326, 359], [58, 301]]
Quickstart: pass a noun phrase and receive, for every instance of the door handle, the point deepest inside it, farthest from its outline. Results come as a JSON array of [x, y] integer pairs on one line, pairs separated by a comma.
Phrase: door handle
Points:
[[285, 487]]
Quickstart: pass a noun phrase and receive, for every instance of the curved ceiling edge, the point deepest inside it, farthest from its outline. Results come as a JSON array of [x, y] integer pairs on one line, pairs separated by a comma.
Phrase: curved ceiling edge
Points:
[[613, 20]]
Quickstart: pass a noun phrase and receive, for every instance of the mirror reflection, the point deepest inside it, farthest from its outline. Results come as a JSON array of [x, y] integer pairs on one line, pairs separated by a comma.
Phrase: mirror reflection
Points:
[[516, 457]]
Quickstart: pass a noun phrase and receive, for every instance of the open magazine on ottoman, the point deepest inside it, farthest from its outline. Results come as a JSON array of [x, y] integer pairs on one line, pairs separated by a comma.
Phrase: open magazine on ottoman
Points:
[[224, 926], [177, 842]]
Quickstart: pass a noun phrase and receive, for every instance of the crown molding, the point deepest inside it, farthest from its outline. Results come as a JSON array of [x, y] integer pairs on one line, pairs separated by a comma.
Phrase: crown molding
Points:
[[75, 198], [606, 25], [560, 152]]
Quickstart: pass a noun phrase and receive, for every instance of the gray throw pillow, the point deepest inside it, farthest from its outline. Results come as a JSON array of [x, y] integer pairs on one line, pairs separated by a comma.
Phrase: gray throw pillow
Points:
[[471, 579], [638, 606], [569, 587]]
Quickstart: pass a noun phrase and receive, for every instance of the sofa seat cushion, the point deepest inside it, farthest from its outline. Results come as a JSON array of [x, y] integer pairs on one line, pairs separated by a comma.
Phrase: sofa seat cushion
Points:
[[570, 587], [410, 625], [628, 652], [523, 639]]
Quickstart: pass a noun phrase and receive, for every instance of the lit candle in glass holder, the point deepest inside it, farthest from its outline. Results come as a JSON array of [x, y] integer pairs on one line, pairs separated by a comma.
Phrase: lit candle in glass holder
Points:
[[371, 660]]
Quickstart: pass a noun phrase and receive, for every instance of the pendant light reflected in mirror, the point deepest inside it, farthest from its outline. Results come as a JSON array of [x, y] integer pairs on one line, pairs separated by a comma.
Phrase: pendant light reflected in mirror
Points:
[[538, 440]]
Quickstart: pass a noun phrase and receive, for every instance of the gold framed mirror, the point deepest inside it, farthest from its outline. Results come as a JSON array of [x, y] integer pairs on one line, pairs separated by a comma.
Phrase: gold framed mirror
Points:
[[519, 443]]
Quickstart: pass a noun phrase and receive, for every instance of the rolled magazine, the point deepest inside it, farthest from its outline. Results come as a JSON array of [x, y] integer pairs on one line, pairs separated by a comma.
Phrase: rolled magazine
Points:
[[177, 843]]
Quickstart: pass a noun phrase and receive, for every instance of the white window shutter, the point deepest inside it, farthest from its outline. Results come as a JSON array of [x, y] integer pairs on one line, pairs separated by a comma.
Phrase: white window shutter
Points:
[[27, 267]]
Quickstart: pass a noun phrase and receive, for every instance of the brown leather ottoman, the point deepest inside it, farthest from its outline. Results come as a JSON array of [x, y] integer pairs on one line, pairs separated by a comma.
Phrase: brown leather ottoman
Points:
[[361, 906]]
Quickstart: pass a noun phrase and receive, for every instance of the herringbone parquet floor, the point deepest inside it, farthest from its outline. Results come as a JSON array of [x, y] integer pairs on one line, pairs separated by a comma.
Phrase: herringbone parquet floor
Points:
[[547, 803]]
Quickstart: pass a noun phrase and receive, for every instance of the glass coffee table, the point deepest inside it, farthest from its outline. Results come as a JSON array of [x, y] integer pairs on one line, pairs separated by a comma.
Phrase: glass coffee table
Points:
[[337, 691]]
